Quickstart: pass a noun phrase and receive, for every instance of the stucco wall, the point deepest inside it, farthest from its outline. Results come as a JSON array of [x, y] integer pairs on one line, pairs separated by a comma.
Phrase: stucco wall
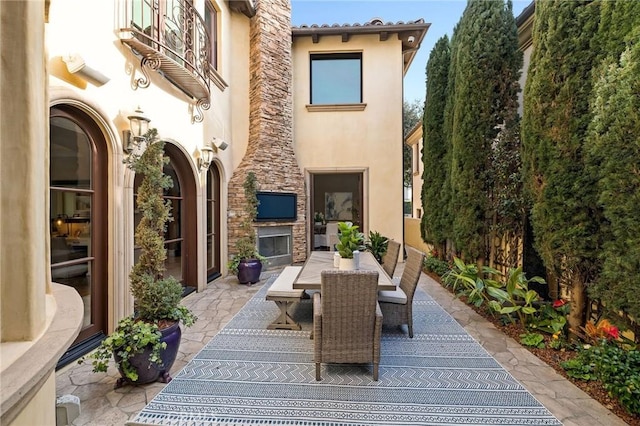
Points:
[[526, 60], [369, 140], [412, 235], [170, 111]]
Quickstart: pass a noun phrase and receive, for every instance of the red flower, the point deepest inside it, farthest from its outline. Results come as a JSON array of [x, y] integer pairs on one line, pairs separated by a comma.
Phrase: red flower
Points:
[[559, 303], [613, 332]]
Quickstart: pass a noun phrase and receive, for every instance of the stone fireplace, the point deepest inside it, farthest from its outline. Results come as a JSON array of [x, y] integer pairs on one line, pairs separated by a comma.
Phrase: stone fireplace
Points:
[[270, 153]]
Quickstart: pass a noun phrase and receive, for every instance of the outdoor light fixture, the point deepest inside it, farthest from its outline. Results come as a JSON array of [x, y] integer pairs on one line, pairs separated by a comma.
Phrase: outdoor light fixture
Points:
[[206, 156], [139, 125], [219, 144], [77, 66]]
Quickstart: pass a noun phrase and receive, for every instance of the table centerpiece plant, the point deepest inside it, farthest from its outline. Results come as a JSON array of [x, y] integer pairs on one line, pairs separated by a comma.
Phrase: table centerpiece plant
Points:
[[350, 239]]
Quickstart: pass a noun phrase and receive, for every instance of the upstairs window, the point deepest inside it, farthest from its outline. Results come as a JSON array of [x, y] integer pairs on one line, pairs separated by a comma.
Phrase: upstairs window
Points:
[[211, 22], [336, 78]]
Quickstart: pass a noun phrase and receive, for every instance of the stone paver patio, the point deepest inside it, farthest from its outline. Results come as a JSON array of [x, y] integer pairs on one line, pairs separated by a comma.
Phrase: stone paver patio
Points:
[[102, 405]]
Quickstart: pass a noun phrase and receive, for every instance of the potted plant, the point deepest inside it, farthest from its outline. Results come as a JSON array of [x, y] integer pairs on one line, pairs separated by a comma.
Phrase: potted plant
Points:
[[145, 344], [247, 262], [349, 241], [377, 245], [318, 218]]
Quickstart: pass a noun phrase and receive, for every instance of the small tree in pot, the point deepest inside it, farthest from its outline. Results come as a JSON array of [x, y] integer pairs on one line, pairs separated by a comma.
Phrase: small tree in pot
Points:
[[145, 344], [247, 262]]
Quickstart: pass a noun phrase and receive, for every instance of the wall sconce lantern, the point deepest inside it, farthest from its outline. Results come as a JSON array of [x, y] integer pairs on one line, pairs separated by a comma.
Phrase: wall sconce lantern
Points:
[[139, 125], [206, 156]]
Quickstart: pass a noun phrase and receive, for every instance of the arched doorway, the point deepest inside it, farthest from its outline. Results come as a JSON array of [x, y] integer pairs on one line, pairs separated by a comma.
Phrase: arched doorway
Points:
[[78, 223], [213, 223], [181, 237]]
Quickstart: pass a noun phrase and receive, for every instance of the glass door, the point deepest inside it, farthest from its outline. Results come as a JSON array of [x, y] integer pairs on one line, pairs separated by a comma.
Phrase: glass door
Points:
[[213, 223], [77, 227]]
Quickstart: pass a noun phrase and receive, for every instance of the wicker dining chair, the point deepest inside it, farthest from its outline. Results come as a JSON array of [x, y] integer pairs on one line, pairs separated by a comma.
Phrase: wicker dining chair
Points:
[[397, 305], [347, 322], [390, 258]]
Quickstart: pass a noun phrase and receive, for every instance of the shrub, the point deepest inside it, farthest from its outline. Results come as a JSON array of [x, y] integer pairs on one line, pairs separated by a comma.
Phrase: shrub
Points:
[[467, 280], [435, 265], [516, 298], [618, 370], [535, 340]]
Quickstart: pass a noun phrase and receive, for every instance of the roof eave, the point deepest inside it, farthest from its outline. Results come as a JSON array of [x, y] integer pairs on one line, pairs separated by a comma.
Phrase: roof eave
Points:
[[405, 32]]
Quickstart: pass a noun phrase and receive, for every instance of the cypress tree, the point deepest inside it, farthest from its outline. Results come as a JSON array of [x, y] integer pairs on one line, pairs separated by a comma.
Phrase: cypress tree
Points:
[[449, 112], [614, 153], [435, 148], [487, 64], [565, 216]]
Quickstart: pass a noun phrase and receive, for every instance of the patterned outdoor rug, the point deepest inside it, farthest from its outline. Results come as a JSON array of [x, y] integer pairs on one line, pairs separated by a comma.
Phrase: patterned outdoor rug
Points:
[[248, 375]]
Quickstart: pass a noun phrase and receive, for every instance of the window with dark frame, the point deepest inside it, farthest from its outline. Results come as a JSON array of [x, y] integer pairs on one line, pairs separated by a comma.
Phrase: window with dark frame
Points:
[[211, 22], [336, 78]]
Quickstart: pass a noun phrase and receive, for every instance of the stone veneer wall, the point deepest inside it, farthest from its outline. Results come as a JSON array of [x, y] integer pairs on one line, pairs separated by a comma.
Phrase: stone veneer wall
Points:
[[270, 153]]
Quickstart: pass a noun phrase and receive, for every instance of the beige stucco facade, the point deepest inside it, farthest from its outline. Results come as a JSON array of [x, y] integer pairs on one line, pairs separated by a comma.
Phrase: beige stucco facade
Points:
[[412, 235], [41, 319], [171, 113], [361, 138]]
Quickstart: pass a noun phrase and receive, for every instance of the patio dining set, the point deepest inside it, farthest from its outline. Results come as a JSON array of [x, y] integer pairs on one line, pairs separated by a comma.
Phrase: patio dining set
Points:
[[349, 306]]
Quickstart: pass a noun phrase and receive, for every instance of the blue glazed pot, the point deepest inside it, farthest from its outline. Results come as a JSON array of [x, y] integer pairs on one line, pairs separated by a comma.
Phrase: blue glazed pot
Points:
[[249, 271], [148, 371]]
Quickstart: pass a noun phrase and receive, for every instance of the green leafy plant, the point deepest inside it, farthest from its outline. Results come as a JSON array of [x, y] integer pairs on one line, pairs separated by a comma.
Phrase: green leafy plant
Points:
[[121, 344], [377, 245], [535, 340], [552, 319], [618, 370], [516, 298], [156, 297], [349, 239], [467, 280], [246, 246], [577, 369], [435, 265]]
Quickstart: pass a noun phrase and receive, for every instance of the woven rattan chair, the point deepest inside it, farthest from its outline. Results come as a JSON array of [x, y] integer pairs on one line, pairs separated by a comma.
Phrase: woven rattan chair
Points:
[[347, 322], [390, 258], [397, 305]]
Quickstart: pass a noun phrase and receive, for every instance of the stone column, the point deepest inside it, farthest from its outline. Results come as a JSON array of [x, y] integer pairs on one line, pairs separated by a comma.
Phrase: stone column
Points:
[[24, 171], [270, 153], [38, 320]]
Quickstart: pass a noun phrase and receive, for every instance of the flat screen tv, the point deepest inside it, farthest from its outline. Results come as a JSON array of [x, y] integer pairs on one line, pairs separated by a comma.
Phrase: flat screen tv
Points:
[[277, 206]]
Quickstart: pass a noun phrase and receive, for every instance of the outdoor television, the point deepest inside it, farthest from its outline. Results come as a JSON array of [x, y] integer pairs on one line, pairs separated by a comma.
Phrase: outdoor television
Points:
[[277, 206]]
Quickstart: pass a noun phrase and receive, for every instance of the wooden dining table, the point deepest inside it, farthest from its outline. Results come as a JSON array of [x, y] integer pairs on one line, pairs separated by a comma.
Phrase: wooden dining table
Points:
[[309, 277]]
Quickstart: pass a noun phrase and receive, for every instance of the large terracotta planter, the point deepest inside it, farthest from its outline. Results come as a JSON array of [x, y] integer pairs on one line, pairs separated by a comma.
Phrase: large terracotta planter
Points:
[[249, 271], [149, 372]]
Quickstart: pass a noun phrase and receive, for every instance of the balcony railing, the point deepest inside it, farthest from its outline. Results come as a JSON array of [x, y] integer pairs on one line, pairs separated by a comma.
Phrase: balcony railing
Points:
[[169, 37]]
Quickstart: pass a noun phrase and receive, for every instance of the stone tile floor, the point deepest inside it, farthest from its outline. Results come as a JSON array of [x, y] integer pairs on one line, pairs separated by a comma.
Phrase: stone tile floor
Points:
[[103, 405]]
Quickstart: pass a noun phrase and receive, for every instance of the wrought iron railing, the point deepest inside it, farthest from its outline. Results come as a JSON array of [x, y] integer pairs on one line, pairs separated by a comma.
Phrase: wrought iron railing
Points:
[[170, 36]]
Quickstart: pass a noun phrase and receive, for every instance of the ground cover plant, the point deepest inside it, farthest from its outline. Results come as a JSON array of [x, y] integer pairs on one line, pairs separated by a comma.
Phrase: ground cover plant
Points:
[[596, 358]]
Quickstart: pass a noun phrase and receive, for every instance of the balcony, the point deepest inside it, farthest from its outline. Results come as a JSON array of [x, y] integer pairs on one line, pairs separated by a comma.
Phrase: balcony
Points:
[[170, 38]]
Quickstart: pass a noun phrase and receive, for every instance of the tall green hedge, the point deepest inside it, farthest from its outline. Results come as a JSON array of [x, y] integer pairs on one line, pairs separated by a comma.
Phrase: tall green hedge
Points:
[[565, 214], [614, 155], [487, 64], [434, 154]]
